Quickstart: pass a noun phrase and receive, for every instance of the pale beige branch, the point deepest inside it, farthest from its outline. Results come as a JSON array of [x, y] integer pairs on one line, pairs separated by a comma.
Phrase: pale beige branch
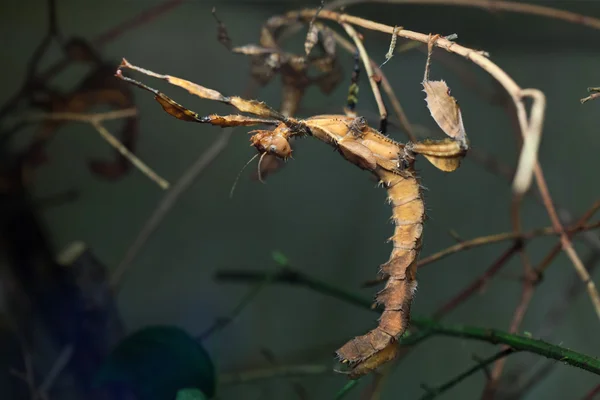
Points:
[[489, 5], [368, 68], [96, 119]]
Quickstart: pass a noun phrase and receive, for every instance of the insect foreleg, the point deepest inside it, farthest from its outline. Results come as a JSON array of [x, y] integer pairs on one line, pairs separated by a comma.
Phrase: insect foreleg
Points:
[[352, 98], [445, 154]]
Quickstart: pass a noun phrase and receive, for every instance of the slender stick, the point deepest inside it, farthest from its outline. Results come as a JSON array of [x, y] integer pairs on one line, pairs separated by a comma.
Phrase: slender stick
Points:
[[491, 6], [434, 392], [96, 121], [368, 68]]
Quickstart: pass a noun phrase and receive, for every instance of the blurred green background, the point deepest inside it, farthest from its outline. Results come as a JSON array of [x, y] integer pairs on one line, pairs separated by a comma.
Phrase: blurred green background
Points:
[[324, 215]]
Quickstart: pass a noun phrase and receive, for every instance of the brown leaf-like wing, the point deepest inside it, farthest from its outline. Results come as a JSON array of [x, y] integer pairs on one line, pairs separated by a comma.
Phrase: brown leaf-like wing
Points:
[[444, 109]]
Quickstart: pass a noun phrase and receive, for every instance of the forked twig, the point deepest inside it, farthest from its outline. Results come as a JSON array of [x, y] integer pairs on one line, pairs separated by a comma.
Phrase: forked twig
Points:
[[96, 121], [530, 279]]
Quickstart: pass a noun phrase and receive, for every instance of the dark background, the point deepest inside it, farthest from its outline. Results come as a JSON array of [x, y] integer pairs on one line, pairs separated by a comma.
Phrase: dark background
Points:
[[326, 216]]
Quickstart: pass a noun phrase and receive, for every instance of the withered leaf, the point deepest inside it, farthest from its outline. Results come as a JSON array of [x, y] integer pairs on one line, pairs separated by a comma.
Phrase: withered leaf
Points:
[[176, 109], [444, 109]]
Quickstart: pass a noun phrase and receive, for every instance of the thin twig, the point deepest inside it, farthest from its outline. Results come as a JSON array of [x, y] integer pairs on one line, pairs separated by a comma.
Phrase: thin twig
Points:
[[552, 318], [368, 67], [530, 279], [59, 365], [95, 119], [479, 282], [566, 243], [434, 392], [591, 395], [387, 88], [139, 164], [165, 205], [347, 388], [221, 323], [491, 6]]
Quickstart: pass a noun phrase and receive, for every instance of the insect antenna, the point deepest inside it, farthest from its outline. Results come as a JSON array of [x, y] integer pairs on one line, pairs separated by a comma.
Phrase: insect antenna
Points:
[[237, 178], [259, 171]]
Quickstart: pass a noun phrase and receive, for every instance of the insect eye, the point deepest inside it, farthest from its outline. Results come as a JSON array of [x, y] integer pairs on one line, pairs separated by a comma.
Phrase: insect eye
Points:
[[272, 149]]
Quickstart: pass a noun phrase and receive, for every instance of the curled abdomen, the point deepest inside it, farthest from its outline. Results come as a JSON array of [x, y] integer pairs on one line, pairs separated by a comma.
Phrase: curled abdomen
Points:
[[367, 352]]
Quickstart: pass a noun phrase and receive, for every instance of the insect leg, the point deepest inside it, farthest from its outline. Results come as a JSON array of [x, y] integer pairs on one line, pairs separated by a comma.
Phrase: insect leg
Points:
[[352, 98], [445, 154], [250, 106], [180, 112]]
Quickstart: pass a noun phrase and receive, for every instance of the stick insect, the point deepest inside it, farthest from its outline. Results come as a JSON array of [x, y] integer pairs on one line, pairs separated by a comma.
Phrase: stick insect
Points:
[[390, 161]]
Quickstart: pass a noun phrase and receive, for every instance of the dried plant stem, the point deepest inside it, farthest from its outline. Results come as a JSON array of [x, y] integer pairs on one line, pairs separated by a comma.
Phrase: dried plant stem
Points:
[[494, 5], [430, 326], [167, 203], [479, 282], [434, 392], [552, 318], [96, 121], [387, 88], [368, 67], [591, 395], [139, 164], [531, 278], [566, 243], [84, 117]]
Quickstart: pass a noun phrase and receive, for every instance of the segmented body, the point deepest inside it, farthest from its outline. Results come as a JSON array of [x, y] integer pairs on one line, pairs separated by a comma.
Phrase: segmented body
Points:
[[391, 163]]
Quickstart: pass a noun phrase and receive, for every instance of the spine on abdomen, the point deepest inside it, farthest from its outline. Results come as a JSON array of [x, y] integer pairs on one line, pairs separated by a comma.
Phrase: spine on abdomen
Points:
[[404, 195]]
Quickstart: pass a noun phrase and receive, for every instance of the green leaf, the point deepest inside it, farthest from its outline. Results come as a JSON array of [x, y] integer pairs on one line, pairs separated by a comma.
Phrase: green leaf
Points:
[[157, 361], [190, 394], [280, 258]]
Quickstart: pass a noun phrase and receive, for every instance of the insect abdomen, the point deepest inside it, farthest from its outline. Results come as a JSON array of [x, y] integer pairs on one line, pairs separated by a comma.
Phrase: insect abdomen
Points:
[[396, 298]]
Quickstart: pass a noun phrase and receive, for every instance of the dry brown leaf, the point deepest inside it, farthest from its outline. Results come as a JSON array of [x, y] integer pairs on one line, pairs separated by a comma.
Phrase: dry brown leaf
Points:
[[444, 109]]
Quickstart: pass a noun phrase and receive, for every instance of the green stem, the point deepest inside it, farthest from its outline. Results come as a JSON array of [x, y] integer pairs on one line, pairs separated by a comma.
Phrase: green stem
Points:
[[430, 326], [434, 392], [346, 389]]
